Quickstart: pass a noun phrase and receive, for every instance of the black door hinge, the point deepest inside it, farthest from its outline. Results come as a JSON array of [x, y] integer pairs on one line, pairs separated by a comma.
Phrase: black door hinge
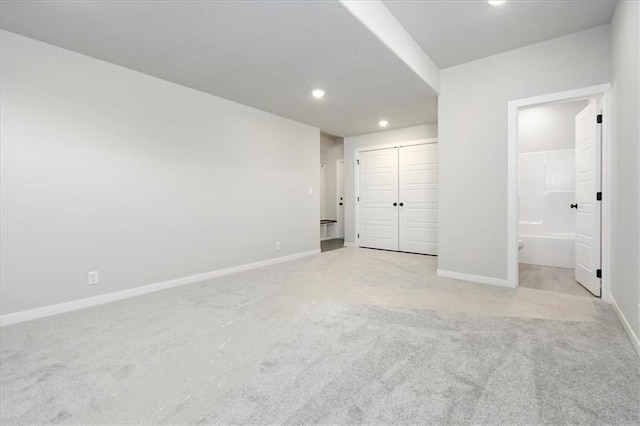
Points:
[[358, 198], [358, 162], [598, 273], [599, 196], [599, 119], [358, 235]]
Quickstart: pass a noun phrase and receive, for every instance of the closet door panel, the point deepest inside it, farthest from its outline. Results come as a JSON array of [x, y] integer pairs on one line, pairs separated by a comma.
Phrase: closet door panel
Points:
[[418, 197], [378, 183]]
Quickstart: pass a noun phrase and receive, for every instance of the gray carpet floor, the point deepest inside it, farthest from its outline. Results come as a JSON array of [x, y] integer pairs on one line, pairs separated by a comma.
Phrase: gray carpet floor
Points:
[[262, 347]]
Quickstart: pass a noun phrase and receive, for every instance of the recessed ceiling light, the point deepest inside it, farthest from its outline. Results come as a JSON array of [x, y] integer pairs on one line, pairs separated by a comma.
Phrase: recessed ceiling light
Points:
[[318, 93], [496, 2], [383, 123]]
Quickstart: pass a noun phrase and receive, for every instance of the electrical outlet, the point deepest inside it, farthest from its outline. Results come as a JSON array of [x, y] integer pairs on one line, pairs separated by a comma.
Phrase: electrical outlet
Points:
[[93, 278], [277, 245]]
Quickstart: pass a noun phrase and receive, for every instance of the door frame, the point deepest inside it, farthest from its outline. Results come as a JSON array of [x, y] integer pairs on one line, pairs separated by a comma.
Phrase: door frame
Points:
[[340, 226], [602, 90], [323, 191], [357, 152]]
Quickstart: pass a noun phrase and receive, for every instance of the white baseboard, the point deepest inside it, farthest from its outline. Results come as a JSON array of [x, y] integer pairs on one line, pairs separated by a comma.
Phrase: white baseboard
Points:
[[137, 291], [474, 278], [350, 244], [625, 324]]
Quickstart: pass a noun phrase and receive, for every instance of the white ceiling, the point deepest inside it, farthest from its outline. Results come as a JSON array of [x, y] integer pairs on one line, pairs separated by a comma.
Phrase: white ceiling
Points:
[[453, 32], [268, 55], [271, 54]]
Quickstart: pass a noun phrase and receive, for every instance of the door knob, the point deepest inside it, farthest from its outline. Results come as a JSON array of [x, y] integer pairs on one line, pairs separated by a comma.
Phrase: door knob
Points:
[[574, 206], [395, 204], [401, 204]]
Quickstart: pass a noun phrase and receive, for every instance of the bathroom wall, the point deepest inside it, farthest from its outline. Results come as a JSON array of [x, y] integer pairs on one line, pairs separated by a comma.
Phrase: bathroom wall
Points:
[[549, 127]]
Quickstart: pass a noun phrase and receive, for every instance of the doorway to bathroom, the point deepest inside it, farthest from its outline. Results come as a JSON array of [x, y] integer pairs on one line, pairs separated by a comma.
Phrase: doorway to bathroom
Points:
[[558, 209]]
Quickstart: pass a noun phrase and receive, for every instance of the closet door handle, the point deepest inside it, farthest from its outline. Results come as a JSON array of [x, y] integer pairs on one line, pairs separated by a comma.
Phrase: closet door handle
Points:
[[574, 206], [395, 204], [401, 204]]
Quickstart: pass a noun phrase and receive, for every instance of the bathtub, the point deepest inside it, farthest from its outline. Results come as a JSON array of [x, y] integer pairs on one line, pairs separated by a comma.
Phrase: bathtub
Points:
[[551, 240], [553, 249]]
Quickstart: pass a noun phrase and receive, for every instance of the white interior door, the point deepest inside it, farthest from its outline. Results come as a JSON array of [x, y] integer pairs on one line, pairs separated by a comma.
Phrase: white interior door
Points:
[[418, 199], [323, 208], [340, 198], [378, 182], [588, 226]]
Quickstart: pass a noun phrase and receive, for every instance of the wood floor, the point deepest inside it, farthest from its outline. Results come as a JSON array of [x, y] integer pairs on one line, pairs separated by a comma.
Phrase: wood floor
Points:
[[559, 280]]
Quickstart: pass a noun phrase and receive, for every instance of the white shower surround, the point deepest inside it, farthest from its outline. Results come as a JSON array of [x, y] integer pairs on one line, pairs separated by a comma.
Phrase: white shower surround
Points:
[[546, 182]]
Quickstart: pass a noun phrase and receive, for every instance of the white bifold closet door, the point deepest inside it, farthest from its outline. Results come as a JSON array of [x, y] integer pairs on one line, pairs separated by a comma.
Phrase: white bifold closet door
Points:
[[398, 199], [378, 194], [418, 196]]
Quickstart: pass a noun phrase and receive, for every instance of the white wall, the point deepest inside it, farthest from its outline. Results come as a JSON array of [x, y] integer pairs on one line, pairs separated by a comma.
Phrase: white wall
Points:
[[625, 54], [472, 121], [548, 127], [331, 150], [108, 169], [424, 131]]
